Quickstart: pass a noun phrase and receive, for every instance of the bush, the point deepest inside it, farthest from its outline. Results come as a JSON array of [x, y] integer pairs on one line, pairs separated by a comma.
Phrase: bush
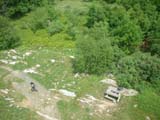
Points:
[[16, 8], [96, 14], [55, 27], [137, 68], [94, 51], [8, 37]]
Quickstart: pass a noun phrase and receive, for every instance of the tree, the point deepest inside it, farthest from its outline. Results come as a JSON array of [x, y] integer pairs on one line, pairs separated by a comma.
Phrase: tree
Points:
[[8, 37], [94, 51], [128, 34], [15, 8], [95, 15]]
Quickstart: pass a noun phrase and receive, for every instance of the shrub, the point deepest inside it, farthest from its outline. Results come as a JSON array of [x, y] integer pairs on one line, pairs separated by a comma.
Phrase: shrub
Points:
[[55, 27], [96, 14], [94, 51], [8, 37], [16, 8], [137, 68]]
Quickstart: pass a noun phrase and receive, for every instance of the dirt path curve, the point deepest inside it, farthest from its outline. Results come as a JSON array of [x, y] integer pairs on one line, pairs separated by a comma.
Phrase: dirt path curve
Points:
[[43, 101]]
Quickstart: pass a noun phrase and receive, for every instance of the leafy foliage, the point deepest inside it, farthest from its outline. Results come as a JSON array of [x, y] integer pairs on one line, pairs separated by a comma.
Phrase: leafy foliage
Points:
[[95, 52], [15, 8], [8, 37], [137, 68]]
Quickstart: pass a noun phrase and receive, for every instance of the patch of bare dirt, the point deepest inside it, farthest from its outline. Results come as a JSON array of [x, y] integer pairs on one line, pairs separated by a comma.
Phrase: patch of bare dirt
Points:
[[99, 106], [42, 100]]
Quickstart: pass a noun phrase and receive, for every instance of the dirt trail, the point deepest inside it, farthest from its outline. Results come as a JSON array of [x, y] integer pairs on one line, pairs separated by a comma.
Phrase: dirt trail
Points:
[[43, 102]]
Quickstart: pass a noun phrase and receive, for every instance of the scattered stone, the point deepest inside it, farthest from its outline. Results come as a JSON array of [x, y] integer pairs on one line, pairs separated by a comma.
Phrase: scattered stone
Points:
[[10, 105], [17, 106], [27, 53], [98, 105], [4, 61], [129, 92], [38, 65], [49, 99], [14, 57], [148, 118], [91, 97], [30, 70], [76, 75], [108, 111], [72, 57], [110, 75], [12, 62], [67, 93], [5, 91], [13, 51], [9, 99], [135, 106], [45, 116], [52, 89], [109, 81], [53, 60]]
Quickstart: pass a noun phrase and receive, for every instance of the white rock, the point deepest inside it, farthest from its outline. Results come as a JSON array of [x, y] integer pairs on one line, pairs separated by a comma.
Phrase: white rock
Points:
[[10, 105], [135, 105], [67, 93], [28, 53], [45, 116], [72, 57], [9, 99], [108, 110], [12, 62], [109, 81], [38, 65], [110, 75], [91, 97], [5, 91], [148, 118], [53, 60], [14, 57], [14, 51], [129, 92], [49, 99], [30, 70], [4, 61], [52, 89], [76, 75]]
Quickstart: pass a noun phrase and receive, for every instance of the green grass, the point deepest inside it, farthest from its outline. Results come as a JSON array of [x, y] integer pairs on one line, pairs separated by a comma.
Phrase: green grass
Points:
[[148, 104], [59, 74], [62, 74], [15, 113], [72, 110]]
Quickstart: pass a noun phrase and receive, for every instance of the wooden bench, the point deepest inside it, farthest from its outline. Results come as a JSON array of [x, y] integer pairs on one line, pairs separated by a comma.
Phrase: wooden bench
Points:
[[113, 94]]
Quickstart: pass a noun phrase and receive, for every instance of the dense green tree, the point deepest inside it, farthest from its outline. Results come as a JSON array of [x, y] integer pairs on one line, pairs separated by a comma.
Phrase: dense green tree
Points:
[[95, 14], [137, 68], [15, 8], [95, 53], [123, 29], [8, 37]]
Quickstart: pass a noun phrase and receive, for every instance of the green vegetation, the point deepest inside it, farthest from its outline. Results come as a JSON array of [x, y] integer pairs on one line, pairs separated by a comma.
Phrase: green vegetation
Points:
[[17, 8], [14, 113], [8, 36], [121, 37]]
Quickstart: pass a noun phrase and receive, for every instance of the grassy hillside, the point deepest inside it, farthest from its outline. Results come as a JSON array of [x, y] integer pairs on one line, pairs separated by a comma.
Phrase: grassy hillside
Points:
[[54, 37]]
